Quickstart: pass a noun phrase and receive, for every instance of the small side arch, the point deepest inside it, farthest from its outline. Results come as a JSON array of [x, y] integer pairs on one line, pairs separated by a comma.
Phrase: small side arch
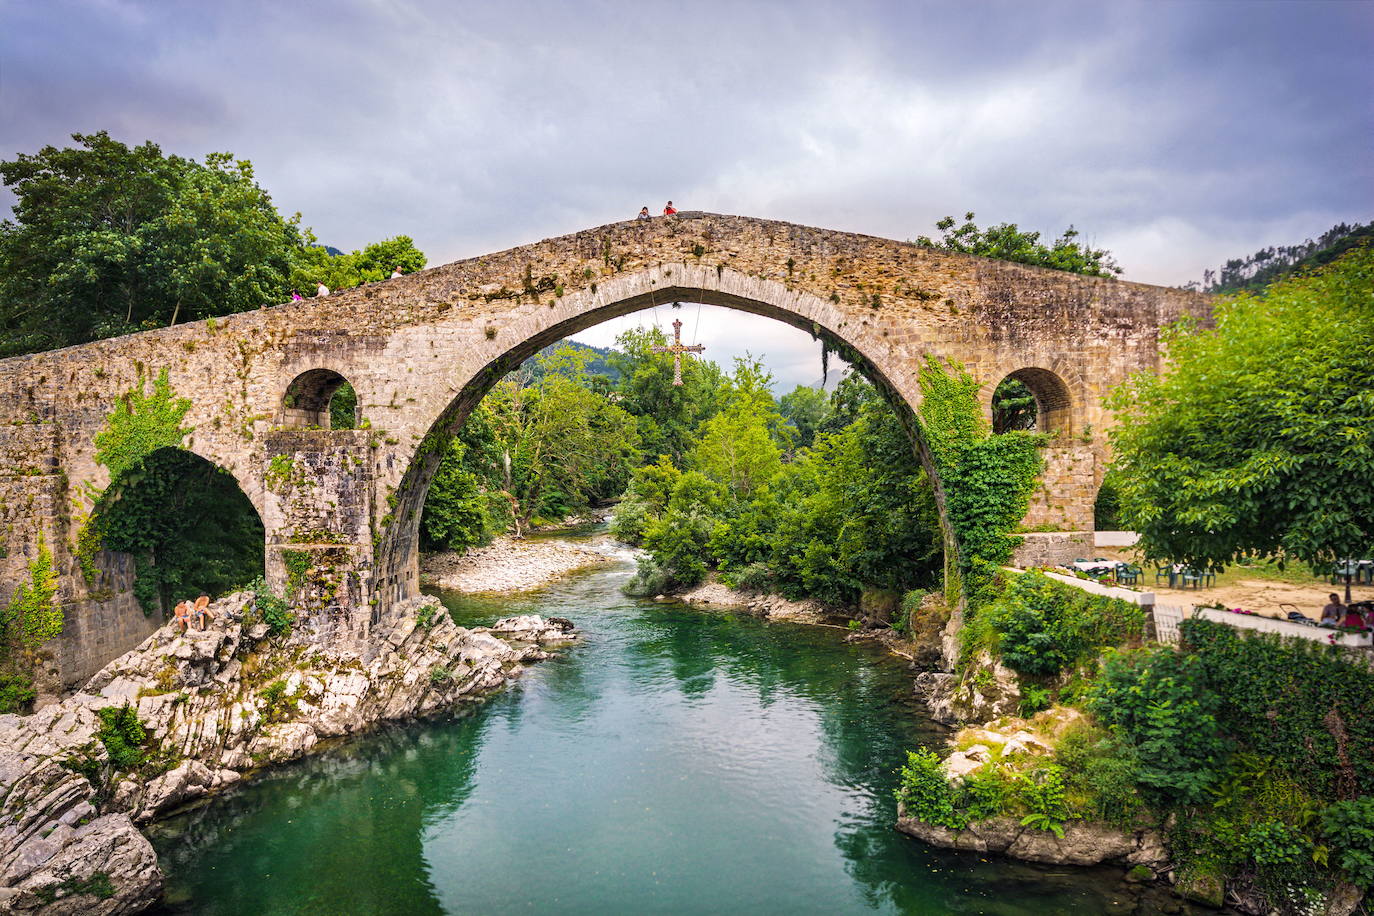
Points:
[[1053, 403], [308, 400]]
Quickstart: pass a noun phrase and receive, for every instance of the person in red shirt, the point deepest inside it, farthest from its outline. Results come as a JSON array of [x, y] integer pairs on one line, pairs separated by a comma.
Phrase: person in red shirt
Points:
[[670, 209]]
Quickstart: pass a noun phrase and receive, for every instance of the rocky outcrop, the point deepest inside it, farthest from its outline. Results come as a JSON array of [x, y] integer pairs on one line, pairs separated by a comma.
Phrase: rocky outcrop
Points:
[[1083, 843], [213, 705], [770, 607], [987, 690]]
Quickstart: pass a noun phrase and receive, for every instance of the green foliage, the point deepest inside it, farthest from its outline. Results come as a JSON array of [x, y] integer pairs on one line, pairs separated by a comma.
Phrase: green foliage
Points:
[[1041, 627], [988, 480], [1349, 827], [1013, 407], [1159, 701], [650, 579], [107, 239], [1043, 794], [189, 527], [140, 425], [1296, 700], [97, 885], [1274, 263], [1101, 772], [16, 691], [271, 609], [428, 615], [806, 409], [343, 408], [123, 736], [1255, 438], [667, 415], [1107, 507], [1008, 243], [33, 616], [925, 794], [277, 704]]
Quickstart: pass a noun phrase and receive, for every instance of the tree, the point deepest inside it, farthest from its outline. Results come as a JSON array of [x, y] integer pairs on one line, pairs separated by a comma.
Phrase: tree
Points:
[[1258, 436], [314, 263], [805, 408], [668, 415], [107, 239], [1013, 406], [1006, 242]]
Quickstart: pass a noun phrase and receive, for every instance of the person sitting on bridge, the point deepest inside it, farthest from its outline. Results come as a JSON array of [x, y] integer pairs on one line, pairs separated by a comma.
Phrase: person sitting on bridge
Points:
[[643, 213], [397, 273], [295, 296], [181, 615], [670, 209], [202, 613], [321, 290], [1334, 611]]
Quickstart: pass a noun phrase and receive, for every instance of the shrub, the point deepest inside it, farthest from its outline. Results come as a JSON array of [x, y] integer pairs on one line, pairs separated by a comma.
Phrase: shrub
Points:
[[632, 516], [1043, 794], [986, 792], [1041, 627], [271, 610], [1100, 775], [123, 736], [649, 579], [1033, 700], [1349, 827], [756, 577], [1159, 701], [278, 705], [16, 692], [926, 794]]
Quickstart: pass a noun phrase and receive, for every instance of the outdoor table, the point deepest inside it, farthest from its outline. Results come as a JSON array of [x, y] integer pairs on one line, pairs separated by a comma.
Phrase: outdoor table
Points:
[[1094, 567]]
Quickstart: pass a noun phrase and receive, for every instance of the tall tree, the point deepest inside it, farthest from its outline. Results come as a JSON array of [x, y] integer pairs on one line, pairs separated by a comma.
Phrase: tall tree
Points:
[[1258, 436], [668, 414]]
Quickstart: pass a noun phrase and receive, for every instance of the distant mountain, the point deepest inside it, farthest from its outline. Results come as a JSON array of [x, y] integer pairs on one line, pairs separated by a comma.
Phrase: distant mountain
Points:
[[1276, 262], [596, 365]]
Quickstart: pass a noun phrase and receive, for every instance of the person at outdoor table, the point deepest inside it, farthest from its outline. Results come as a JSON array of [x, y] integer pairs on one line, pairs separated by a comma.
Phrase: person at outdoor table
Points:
[[1334, 611]]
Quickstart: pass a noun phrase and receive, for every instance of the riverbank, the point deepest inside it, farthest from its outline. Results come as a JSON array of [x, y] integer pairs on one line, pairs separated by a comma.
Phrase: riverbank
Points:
[[512, 565], [186, 715]]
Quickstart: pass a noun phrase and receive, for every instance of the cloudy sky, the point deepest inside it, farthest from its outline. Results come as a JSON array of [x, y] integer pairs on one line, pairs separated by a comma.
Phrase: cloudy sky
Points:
[[1176, 134]]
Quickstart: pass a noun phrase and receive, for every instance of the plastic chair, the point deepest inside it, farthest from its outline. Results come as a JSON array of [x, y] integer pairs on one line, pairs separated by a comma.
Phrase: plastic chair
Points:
[[1128, 573], [1191, 575], [1164, 571]]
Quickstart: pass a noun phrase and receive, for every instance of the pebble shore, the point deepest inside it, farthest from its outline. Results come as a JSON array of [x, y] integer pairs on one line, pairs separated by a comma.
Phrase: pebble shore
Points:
[[510, 565]]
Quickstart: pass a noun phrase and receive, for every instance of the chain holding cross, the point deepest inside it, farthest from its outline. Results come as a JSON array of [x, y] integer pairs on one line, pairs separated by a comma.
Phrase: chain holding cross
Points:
[[677, 349]]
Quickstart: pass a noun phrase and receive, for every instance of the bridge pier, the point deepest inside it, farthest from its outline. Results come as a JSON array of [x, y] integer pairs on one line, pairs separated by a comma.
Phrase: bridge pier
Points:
[[318, 515]]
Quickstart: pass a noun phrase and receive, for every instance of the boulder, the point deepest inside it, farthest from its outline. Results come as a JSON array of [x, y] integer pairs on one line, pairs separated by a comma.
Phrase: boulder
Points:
[[1083, 843]]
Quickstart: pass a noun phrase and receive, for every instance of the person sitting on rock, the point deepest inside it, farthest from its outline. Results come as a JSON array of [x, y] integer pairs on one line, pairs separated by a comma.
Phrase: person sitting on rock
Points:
[[181, 615], [202, 613]]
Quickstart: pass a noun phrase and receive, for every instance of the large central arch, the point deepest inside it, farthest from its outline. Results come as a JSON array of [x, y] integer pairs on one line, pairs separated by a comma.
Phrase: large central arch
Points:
[[890, 368]]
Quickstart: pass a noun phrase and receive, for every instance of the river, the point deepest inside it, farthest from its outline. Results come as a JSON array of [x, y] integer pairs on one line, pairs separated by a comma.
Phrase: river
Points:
[[677, 761]]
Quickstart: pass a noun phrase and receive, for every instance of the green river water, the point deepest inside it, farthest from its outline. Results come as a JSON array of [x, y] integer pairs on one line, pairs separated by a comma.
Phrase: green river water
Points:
[[676, 761]]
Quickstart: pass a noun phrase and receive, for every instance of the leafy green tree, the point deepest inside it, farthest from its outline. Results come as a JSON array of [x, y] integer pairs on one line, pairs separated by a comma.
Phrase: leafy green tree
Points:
[[314, 264], [668, 415], [107, 239], [805, 408], [1013, 406], [1006, 242], [737, 449], [455, 515], [1257, 437]]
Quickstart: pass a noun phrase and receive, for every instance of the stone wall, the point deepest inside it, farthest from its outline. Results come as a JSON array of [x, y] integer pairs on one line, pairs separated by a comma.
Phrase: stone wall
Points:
[[421, 350], [1054, 548]]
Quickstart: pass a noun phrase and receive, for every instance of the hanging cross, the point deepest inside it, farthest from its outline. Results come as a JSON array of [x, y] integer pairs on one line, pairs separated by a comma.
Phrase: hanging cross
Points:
[[677, 349]]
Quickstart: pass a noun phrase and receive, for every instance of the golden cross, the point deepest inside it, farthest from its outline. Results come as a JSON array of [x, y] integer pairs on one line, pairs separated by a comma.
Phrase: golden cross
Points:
[[677, 349]]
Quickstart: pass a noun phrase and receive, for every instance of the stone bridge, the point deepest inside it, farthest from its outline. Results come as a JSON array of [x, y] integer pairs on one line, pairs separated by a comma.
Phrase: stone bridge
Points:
[[421, 351]]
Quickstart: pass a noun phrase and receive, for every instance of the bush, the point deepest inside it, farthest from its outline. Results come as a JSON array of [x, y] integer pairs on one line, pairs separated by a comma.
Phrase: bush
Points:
[[649, 580], [756, 577], [1349, 827], [678, 543], [123, 735], [1159, 701], [925, 794], [1296, 700], [632, 516], [271, 610], [16, 692], [1041, 627], [1100, 773], [1043, 794]]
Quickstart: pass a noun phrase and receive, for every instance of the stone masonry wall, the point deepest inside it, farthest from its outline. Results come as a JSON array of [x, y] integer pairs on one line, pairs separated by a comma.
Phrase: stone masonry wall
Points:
[[420, 350]]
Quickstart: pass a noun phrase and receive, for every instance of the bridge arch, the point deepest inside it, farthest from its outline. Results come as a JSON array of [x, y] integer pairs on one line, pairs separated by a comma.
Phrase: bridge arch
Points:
[[868, 347], [308, 398]]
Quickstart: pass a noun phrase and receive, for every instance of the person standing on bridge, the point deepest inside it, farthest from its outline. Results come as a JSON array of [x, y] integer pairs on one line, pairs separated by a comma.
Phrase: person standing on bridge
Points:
[[321, 290], [670, 209]]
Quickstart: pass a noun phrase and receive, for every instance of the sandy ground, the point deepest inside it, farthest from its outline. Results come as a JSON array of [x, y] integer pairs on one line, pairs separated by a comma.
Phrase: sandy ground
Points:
[[510, 565], [1235, 590]]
